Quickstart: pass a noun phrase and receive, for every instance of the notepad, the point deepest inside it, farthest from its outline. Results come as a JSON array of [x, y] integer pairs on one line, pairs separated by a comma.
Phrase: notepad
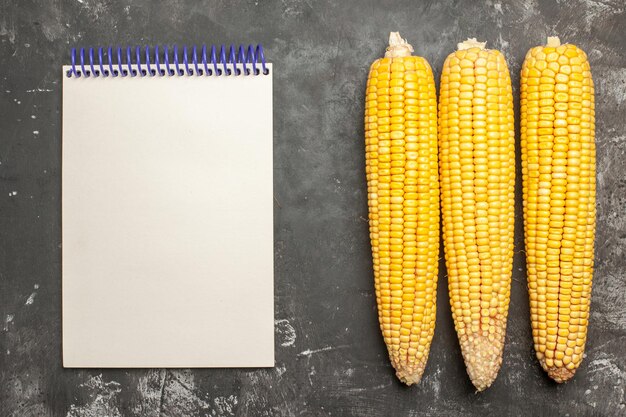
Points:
[[167, 209]]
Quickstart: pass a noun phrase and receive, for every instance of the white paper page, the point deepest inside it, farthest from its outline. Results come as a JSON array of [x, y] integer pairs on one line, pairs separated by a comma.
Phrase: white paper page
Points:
[[168, 221]]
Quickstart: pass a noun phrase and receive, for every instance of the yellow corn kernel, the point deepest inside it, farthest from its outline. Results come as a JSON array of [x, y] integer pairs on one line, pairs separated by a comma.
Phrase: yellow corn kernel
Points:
[[559, 191], [403, 200], [477, 166]]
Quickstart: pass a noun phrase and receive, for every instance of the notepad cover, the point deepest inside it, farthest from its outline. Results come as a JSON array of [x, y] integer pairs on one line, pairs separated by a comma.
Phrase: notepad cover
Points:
[[167, 214]]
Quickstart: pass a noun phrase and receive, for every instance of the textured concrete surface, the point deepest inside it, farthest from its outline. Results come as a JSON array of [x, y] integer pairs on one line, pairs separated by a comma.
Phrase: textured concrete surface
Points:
[[330, 358]]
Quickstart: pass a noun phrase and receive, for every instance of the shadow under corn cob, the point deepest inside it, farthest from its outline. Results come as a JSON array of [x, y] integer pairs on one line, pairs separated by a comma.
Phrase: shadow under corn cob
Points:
[[403, 198], [559, 183], [477, 164]]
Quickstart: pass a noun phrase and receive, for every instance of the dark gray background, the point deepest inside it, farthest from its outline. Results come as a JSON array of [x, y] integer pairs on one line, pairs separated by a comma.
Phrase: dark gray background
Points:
[[330, 358]]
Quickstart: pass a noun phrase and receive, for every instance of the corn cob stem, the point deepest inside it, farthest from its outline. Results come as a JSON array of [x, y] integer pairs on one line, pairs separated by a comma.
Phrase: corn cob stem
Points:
[[398, 47], [477, 164], [469, 44], [403, 199], [558, 167]]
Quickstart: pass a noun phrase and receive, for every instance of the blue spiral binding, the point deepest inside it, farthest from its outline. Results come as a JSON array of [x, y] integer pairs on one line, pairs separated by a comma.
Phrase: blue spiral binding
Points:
[[251, 58], [141, 71], [156, 60], [108, 61], [241, 58], [178, 71], [110, 56], [121, 70], [166, 55], [129, 63], [186, 61], [214, 60], [100, 60], [207, 71], [93, 70], [82, 62], [150, 71], [223, 60], [195, 59]]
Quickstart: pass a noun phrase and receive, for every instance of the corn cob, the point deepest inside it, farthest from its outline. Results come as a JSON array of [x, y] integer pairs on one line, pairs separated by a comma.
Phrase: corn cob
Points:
[[477, 163], [558, 168], [403, 199]]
